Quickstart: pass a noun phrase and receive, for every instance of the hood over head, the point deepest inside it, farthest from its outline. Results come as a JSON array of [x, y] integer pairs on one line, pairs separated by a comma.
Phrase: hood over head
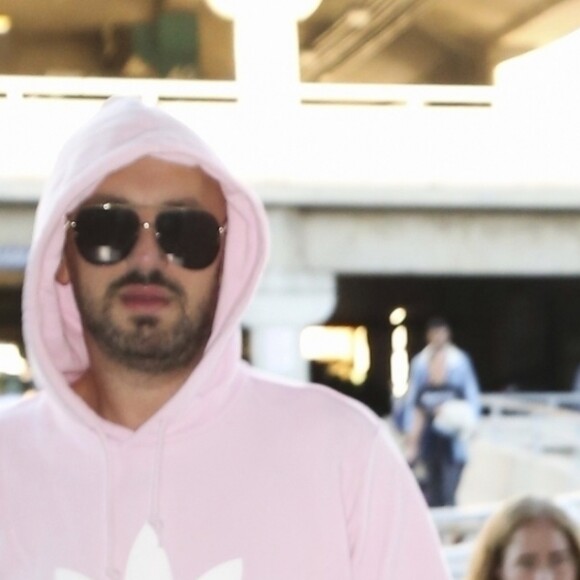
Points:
[[123, 131]]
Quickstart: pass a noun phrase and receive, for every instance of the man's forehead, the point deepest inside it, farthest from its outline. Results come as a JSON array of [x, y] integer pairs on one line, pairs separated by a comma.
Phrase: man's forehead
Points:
[[158, 164], [103, 197], [156, 181]]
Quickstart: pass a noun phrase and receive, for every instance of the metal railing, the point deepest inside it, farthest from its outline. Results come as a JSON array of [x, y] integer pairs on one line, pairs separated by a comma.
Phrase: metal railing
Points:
[[545, 402], [152, 90], [524, 417], [15, 87]]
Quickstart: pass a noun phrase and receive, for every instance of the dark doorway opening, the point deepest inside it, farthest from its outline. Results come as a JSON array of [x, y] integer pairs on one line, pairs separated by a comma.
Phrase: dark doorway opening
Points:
[[523, 333], [10, 314]]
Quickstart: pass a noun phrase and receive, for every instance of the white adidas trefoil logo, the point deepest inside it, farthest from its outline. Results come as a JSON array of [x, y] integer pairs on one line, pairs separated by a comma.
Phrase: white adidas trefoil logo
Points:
[[148, 561]]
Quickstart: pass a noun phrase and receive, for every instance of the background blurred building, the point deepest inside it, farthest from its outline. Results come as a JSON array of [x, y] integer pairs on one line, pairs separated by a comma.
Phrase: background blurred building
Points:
[[402, 168]]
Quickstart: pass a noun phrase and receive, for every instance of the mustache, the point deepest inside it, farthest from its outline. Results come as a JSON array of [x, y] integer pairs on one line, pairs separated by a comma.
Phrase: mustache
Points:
[[135, 277]]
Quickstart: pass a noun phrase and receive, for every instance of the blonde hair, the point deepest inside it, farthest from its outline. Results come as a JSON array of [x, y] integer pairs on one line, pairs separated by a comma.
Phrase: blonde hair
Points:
[[497, 533]]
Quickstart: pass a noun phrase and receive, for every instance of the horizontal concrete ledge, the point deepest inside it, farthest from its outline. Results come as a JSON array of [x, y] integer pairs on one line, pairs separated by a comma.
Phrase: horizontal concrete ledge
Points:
[[435, 196], [401, 242], [532, 197], [444, 147]]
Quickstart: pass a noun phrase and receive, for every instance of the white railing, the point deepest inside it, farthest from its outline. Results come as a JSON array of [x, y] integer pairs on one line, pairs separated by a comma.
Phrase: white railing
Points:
[[465, 521], [399, 95], [532, 425], [22, 86], [546, 402]]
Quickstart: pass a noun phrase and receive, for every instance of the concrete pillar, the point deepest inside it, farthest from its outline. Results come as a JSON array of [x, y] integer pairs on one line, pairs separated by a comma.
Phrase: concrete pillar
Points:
[[284, 304], [276, 348], [267, 57]]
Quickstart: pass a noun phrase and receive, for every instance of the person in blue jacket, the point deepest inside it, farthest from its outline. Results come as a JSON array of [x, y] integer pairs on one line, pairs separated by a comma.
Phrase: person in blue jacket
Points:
[[440, 411]]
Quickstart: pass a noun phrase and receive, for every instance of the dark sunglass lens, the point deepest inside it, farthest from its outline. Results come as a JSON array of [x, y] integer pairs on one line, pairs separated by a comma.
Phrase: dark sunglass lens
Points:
[[190, 237], [105, 235]]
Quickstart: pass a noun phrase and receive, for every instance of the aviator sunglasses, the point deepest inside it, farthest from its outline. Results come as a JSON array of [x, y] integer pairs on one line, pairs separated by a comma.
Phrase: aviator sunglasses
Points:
[[106, 233]]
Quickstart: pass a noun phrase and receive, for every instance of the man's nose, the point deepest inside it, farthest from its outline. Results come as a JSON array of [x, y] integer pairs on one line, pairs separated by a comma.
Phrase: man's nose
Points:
[[146, 254]]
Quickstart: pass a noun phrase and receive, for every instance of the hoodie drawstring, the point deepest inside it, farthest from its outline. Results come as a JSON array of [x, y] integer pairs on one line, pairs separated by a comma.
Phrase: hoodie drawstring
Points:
[[155, 518], [109, 508]]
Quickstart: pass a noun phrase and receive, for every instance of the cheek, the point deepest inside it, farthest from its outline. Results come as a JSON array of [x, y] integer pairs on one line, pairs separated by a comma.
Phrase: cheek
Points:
[[89, 283], [509, 570], [202, 292], [201, 287]]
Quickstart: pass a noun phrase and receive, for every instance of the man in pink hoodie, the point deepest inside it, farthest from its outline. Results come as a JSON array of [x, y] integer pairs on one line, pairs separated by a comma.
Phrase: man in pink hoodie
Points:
[[153, 451]]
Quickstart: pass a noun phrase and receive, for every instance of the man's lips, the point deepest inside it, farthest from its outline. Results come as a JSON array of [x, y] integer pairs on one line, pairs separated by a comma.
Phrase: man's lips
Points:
[[145, 297]]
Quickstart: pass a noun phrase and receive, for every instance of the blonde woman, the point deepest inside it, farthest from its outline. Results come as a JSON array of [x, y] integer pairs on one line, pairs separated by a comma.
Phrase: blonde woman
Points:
[[529, 538]]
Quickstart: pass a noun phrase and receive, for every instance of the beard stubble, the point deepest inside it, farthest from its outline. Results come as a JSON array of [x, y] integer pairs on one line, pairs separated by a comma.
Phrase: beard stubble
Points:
[[146, 345]]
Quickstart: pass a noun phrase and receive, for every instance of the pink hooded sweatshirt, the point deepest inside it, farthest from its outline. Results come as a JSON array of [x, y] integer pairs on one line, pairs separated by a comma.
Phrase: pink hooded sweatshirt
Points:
[[240, 476]]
